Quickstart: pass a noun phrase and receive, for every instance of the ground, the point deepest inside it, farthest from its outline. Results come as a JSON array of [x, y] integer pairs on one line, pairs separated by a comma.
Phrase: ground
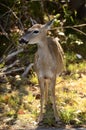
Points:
[[20, 104]]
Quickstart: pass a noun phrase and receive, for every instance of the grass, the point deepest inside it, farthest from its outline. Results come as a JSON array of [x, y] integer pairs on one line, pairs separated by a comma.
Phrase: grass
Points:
[[21, 101], [71, 99]]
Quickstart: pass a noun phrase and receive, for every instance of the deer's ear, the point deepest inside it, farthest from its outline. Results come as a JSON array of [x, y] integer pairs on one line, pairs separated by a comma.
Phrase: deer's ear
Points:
[[49, 24], [33, 21]]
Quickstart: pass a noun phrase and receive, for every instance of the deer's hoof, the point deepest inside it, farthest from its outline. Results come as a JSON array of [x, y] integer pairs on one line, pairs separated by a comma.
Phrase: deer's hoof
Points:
[[58, 121], [40, 119]]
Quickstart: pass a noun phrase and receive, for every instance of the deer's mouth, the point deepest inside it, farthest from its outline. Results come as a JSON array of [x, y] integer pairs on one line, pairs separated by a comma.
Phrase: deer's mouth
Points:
[[22, 41]]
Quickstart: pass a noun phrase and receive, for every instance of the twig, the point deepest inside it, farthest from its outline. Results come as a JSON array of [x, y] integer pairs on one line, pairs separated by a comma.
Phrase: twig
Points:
[[22, 28], [13, 54], [27, 70], [80, 25], [10, 66], [14, 70], [78, 31], [3, 31], [14, 15], [5, 14], [73, 27]]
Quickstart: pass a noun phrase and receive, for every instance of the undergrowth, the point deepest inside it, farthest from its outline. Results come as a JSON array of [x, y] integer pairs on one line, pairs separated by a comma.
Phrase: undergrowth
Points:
[[20, 100]]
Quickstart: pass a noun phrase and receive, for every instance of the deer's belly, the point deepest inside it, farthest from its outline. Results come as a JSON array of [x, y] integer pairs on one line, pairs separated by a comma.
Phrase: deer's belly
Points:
[[45, 71], [46, 75]]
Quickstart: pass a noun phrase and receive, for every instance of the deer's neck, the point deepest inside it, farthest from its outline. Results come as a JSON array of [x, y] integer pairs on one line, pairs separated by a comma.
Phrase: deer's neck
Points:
[[43, 47]]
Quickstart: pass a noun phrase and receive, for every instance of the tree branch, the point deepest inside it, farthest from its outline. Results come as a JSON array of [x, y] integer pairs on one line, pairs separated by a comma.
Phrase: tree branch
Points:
[[10, 66], [14, 70], [78, 31], [27, 70], [3, 32], [73, 27], [13, 54], [10, 10], [77, 26]]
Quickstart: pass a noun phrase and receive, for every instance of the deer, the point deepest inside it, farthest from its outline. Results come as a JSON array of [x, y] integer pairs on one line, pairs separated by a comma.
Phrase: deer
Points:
[[48, 63]]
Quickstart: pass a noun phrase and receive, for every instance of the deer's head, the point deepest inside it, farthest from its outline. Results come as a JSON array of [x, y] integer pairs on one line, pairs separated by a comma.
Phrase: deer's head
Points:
[[36, 33]]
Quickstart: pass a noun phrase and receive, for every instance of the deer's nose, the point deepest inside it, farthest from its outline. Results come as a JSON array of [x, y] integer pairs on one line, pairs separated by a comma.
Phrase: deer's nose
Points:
[[21, 41]]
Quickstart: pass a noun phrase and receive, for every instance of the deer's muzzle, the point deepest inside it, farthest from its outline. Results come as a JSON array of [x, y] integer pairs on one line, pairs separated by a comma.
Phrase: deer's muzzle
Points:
[[21, 41]]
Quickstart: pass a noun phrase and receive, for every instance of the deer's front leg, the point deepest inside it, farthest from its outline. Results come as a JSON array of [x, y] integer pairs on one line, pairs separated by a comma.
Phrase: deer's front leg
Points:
[[46, 91], [52, 87], [41, 84]]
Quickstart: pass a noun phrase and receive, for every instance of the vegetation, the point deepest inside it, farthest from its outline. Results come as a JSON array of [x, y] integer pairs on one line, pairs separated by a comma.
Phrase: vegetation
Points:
[[19, 90]]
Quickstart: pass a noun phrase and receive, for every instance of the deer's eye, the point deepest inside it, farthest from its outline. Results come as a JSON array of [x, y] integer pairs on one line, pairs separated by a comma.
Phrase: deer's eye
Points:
[[36, 31]]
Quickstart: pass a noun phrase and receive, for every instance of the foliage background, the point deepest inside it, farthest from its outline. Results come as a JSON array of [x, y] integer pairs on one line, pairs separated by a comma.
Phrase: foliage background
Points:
[[15, 16], [19, 97]]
